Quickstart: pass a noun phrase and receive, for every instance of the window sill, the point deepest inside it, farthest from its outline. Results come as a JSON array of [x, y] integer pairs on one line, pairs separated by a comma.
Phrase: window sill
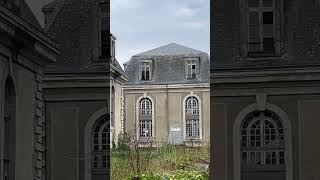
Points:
[[262, 58]]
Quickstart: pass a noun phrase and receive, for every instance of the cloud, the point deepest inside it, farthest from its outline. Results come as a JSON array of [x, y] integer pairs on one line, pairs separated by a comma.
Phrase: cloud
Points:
[[148, 24]]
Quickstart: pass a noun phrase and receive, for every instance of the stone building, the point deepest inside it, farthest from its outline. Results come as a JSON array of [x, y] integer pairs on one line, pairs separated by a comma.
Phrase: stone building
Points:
[[265, 93], [167, 95], [24, 51], [77, 90], [117, 79]]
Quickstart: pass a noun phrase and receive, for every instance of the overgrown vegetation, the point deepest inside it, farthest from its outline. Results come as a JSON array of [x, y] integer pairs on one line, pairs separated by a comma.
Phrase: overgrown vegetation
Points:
[[128, 161]]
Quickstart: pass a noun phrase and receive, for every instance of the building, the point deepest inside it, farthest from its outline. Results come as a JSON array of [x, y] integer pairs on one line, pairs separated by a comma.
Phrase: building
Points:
[[24, 51], [265, 96], [167, 96], [117, 79], [77, 90]]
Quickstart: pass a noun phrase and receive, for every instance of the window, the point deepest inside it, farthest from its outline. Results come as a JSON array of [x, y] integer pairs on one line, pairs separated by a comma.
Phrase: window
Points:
[[100, 146], [262, 24], [145, 70], [192, 124], [104, 33], [262, 141], [145, 118], [191, 69]]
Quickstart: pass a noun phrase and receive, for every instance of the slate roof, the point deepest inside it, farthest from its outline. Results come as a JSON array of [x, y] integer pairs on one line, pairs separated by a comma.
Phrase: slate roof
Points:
[[27, 15], [73, 25], [170, 49], [168, 64]]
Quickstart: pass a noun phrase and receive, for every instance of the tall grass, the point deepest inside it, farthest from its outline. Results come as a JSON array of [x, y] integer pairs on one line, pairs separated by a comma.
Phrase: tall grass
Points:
[[165, 160]]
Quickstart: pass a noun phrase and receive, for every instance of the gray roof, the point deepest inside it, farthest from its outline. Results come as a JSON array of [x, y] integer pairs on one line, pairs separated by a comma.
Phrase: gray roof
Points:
[[170, 49], [73, 25], [27, 15], [168, 65]]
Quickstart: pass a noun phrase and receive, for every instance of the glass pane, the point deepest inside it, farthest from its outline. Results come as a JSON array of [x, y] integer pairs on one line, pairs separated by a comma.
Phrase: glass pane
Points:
[[268, 17], [253, 3]]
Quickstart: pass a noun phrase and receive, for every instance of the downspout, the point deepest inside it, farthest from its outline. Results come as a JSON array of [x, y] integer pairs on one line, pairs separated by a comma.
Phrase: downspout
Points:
[[167, 114]]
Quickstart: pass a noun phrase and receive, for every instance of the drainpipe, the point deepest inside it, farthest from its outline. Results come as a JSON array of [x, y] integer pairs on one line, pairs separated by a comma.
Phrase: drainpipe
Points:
[[167, 113]]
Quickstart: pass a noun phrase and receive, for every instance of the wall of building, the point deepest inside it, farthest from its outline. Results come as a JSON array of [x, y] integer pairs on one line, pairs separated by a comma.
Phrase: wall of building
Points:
[[168, 110], [26, 76], [117, 126]]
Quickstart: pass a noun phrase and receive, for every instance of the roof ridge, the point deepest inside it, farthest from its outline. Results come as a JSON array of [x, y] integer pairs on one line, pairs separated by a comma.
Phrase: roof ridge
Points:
[[170, 49]]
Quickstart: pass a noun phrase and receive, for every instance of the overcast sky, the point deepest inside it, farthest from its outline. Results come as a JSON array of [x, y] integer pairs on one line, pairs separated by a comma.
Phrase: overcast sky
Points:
[[141, 25]]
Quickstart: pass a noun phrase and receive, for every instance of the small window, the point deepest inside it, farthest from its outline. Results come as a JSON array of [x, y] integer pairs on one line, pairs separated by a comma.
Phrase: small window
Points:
[[145, 71], [191, 69]]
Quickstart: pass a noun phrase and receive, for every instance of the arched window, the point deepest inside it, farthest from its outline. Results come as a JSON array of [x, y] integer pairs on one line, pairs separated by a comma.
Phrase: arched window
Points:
[[262, 143], [100, 145], [145, 118], [9, 131], [192, 124]]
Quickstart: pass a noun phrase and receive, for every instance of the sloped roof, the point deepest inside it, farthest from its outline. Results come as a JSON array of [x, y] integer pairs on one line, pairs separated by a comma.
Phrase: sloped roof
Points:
[[170, 49], [28, 15], [168, 65], [73, 25]]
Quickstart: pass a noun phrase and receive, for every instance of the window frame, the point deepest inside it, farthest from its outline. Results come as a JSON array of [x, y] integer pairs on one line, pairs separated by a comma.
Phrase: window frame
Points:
[[193, 120], [100, 153], [279, 32], [143, 67], [248, 152], [145, 117], [190, 62]]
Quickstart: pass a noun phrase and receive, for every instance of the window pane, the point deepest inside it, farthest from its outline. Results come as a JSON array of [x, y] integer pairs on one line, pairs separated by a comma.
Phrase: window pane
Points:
[[253, 3], [268, 45], [268, 17]]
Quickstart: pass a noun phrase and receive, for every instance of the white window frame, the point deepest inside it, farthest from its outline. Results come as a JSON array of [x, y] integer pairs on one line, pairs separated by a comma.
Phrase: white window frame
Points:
[[100, 145], [137, 110], [144, 64], [190, 62], [184, 116]]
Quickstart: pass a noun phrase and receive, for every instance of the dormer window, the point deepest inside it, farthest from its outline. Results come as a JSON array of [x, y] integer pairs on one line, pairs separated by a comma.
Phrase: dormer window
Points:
[[262, 27], [191, 69], [104, 33], [145, 73]]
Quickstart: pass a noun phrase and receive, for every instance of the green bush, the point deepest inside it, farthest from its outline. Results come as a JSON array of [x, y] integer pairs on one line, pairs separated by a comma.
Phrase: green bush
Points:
[[177, 175]]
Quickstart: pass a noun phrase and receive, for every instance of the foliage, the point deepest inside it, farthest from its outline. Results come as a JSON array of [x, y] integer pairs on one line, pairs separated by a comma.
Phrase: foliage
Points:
[[159, 162]]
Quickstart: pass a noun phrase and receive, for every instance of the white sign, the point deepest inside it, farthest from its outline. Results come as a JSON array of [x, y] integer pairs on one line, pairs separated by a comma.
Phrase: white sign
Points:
[[175, 129]]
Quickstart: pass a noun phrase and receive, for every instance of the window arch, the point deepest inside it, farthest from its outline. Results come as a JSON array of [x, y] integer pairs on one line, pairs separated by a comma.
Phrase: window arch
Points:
[[100, 146], [145, 129], [192, 118], [8, 141], [262, 143]]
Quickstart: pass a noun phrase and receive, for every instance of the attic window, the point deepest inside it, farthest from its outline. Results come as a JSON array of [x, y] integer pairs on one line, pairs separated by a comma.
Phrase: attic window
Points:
[[145, 71], [191, 69]]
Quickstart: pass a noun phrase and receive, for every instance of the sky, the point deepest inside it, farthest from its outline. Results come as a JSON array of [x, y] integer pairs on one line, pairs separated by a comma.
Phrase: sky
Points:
[[141, 25]]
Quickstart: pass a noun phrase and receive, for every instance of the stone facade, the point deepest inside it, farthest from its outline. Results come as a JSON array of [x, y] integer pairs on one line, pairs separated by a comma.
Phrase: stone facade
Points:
[[24, 51], [281, 88], [155, 107]]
